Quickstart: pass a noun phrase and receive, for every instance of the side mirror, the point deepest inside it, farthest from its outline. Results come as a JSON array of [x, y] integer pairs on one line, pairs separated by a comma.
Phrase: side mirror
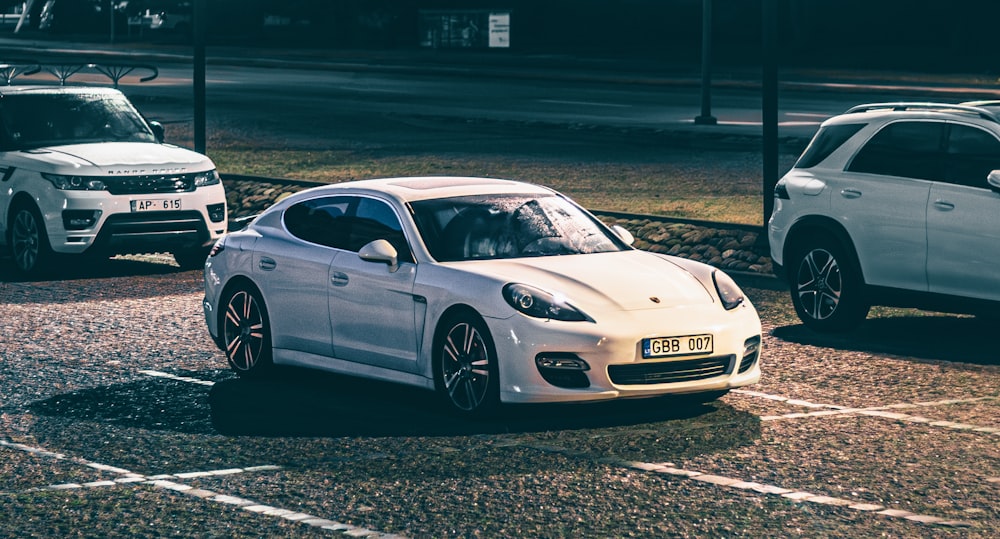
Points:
[[158, 131], [625, 235], [994, 180], [380, 251]]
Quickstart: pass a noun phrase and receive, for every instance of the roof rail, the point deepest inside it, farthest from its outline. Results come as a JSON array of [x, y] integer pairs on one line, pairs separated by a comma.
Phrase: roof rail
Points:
[[904, 105], [62, 72]]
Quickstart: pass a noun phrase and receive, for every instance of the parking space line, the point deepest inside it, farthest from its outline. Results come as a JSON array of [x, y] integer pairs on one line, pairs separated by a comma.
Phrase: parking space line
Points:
[[164, 482], [765, 489], [878, 411], [174, 377]]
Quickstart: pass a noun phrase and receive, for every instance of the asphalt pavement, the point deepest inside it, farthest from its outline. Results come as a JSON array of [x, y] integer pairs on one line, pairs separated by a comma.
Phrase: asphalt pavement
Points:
[[591, 67]]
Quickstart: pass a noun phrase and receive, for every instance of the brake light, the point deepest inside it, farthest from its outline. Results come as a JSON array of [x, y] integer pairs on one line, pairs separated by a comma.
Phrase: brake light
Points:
[[218, 247], [780, 191]]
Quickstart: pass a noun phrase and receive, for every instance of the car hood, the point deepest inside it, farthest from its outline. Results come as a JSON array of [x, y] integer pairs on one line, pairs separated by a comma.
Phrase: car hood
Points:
[[111, 159], [627, 280]]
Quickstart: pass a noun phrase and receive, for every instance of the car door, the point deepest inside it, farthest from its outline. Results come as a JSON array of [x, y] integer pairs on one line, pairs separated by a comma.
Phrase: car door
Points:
[[882, 200], [373, 312], [292, 267], [963, 218]]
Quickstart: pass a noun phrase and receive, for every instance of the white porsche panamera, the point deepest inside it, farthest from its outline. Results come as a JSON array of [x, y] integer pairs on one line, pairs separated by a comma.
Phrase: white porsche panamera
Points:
[[487, 291]]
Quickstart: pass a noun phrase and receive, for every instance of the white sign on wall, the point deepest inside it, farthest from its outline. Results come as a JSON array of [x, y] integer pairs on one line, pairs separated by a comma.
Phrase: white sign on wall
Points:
[[499, 30]]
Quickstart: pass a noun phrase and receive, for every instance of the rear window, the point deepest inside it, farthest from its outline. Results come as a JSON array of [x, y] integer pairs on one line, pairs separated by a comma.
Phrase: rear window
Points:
[[828, 139]]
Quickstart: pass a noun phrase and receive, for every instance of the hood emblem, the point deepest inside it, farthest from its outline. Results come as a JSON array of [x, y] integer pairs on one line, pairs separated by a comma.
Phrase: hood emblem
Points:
[[654, 299]]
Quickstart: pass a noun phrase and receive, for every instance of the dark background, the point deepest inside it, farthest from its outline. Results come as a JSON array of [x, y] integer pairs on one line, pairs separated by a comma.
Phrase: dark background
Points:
[[894, 34]]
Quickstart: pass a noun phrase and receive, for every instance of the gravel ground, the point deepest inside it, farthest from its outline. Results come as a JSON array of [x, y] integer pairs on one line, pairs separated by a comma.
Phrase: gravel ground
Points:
[[361, 456]]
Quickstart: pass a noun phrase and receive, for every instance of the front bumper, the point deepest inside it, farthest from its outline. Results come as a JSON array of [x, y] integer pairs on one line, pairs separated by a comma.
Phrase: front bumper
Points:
[[118, 229], [611, 349]]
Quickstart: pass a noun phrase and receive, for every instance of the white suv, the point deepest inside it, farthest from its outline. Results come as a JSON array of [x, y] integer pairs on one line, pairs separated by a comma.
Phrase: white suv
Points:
[[892, 204], [81, 171]]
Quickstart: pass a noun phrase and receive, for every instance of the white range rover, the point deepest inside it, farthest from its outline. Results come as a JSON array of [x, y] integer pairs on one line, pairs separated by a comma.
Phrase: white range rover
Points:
[[81, 171]]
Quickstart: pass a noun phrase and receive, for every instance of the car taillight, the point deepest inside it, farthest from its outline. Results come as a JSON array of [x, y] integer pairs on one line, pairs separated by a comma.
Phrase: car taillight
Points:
[[780, 191], [218, 247]]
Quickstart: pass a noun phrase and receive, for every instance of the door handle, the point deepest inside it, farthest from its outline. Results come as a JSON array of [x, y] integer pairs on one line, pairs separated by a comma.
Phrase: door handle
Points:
[[339, 279], [267, 264], [944, 205], [850, 193]]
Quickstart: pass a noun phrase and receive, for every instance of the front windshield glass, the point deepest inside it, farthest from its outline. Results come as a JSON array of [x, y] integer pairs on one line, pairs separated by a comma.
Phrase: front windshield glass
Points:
[[36, 120], [508, 226]]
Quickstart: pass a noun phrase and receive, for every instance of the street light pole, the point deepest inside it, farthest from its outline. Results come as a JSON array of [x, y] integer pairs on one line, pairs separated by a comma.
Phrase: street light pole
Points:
[[706, 117]]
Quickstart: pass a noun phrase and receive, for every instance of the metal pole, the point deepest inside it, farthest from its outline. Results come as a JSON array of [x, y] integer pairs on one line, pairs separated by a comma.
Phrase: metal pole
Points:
[[706, 117], [199, 74], [769, 103], [111, 15]]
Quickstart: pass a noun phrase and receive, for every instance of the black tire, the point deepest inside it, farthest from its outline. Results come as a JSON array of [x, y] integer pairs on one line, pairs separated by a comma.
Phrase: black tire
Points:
[[826, 286], [245, 331], [191, 258], [29, 242], [465, 366]]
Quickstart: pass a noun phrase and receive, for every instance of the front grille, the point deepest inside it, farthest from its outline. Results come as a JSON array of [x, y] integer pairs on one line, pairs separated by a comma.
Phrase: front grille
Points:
[[151, 232], [150, 185], [668, 372]]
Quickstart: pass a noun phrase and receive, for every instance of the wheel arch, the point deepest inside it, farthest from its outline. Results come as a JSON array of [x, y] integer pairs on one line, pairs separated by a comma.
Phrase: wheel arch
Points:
[[238, 281], [814, 226], [440, 329], [18, 200]]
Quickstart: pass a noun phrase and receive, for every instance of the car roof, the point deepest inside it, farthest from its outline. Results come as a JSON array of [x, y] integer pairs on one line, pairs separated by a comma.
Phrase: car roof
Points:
[[975, 110], [410, 189], [58, 90]]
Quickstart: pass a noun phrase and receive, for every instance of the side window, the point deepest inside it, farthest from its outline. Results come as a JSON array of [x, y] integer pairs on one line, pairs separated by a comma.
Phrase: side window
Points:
[[907, 149], [826, 141], [375, 220], [972, 154], [320, 220]]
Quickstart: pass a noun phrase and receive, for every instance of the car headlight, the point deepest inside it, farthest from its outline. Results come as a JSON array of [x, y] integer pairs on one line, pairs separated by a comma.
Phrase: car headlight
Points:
[[75, 183], [540, 304], [203, 179], [729, 292]]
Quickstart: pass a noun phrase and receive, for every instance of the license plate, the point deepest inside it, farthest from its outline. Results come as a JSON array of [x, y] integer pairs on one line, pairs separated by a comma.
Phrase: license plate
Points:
[[156, 204], [687, 345]]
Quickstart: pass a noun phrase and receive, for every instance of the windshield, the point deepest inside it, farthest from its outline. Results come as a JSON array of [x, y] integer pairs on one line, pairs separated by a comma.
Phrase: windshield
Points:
[[509, 226], [35, 120]]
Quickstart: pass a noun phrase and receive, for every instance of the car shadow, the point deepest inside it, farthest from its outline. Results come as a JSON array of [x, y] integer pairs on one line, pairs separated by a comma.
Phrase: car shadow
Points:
[[83, 279], [69, 268], [306, 403], [930, 337]]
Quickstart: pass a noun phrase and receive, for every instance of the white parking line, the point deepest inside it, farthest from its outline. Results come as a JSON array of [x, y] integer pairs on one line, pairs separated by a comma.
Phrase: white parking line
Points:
[[770, 490], [168, 376], [669, 468], [877, 411], [164, 482]]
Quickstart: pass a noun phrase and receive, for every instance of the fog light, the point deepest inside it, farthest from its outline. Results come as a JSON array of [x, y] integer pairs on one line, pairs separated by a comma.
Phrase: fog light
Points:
[[751, 351], [217, 212], [563, 370], [561, 361], [80, 219]]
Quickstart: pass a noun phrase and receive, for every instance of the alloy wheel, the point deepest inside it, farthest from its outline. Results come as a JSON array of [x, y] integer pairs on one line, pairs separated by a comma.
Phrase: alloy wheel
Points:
[[25, 240], [244, 332], [465, 367], [819, 284]]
